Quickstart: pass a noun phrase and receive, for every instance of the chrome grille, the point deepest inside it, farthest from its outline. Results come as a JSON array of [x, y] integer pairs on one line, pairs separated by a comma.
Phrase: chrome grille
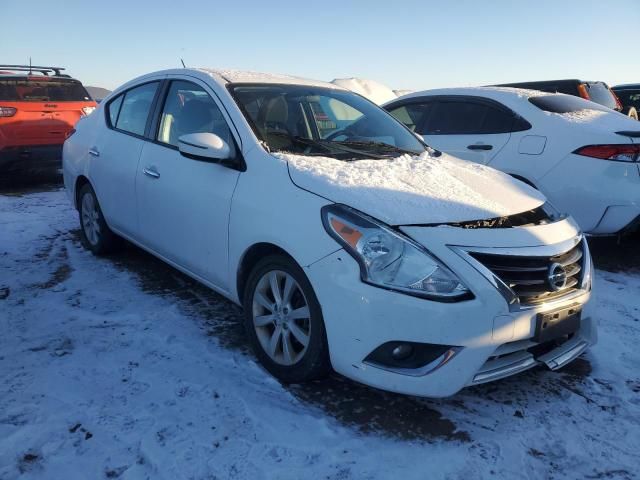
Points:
[[529, 277]]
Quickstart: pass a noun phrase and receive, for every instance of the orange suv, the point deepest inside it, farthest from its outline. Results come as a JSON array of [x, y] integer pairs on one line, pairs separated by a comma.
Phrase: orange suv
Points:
[[39, 106]]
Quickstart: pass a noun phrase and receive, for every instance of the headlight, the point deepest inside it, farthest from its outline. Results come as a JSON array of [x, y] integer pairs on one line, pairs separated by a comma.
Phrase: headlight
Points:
[[390, 260]]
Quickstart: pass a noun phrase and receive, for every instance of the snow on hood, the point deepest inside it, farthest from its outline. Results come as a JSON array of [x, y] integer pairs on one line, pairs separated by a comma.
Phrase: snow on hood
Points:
[[414, 189], [374, 91]]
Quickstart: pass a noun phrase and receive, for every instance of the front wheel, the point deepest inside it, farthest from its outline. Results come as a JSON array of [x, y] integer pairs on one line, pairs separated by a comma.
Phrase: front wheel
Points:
[[284, 321], [94, 232]]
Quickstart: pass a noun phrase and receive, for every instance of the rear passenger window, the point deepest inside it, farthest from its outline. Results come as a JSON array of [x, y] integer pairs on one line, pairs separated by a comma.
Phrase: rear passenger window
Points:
[[497, 121], [135, 107], [189, 109], [114, 109], [456, 118], [413, 115], [466, 117]]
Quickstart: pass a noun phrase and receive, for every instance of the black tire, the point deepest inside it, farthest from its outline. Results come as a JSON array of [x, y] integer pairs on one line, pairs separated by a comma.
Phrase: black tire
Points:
[[314, 362], [105, 241]]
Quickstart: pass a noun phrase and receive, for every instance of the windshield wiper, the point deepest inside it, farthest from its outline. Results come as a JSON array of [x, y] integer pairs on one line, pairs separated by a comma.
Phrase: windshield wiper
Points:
[[376, 145], [327, 145]]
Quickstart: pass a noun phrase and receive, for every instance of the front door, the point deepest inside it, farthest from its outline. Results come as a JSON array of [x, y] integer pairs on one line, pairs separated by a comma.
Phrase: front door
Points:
[[184, 204]]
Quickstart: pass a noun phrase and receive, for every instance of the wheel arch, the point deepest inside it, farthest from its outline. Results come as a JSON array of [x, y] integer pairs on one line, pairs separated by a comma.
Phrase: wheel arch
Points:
[[250, 258], [81, 181]]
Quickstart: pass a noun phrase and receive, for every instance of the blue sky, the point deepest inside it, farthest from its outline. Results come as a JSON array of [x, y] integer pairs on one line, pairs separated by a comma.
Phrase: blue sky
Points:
[[404, 44]]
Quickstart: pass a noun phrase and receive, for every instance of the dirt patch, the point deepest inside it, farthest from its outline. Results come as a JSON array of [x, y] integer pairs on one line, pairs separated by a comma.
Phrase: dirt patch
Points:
[[29, 462], [4, 293], [374, 411], [18, 184], [616, 254], [63, 269]]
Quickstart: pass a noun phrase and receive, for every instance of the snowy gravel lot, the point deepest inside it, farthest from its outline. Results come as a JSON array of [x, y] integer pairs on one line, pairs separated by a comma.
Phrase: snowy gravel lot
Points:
[[124, 368]]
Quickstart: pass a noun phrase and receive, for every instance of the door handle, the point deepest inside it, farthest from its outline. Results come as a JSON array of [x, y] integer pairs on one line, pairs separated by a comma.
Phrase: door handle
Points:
[[94, 151], [480, 146], [151, 172]]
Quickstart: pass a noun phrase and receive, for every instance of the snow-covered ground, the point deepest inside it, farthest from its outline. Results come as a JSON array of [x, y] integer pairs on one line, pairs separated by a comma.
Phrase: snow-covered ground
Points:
[[124, 368]]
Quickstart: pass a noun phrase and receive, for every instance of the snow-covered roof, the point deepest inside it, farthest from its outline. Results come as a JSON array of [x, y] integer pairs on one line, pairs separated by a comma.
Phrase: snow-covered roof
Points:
[[245, 76], [496, 93]]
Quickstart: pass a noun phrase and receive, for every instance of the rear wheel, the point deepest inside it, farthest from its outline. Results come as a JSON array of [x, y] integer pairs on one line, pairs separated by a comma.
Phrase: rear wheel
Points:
[[94, 232], [284, 321]]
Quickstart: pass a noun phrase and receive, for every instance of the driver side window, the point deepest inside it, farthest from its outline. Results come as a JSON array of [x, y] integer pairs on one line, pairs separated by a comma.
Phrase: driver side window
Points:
[[189, 109]]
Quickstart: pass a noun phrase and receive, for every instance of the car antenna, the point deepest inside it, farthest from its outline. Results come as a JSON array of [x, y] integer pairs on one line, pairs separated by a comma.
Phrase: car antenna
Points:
[[30, 72], [183, 65]]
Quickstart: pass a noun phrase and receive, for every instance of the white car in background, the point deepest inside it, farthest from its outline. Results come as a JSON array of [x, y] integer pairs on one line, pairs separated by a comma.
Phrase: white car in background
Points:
[[584, 157], [349, 243]]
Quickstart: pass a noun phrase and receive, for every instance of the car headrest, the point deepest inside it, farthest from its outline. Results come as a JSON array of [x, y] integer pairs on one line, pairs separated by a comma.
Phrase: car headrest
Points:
[[195, 116], [276, 111]]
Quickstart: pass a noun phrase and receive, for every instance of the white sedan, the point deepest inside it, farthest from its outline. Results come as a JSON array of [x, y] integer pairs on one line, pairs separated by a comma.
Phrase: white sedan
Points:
[[348, 242], [584, 157]]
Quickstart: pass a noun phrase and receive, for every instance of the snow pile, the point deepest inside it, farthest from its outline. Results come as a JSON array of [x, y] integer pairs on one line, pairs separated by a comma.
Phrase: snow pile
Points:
[[402, 93], [374, 91], [414, 189], [520, 92]]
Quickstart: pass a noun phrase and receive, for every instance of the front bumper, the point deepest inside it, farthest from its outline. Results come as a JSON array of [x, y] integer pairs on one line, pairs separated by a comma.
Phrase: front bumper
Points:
[[492, 340]]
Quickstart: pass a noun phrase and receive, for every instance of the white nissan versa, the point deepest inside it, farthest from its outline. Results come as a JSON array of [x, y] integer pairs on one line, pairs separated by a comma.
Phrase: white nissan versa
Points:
[[348, 241]]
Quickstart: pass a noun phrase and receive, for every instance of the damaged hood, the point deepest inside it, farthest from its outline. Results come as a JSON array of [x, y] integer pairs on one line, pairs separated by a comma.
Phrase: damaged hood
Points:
[[412, 190]]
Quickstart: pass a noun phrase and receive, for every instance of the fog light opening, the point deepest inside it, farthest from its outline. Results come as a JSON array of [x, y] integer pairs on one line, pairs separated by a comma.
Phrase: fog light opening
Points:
[[408, 356]]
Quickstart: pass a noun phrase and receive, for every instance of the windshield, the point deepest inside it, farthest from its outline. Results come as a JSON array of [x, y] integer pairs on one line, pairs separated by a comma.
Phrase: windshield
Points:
[[564, 104], [600, 93], [629, 98], [322, 121], [42, 90]]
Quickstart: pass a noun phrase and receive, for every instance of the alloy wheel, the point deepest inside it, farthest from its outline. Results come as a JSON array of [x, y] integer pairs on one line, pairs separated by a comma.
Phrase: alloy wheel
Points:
[[281, 317], [90, 219]]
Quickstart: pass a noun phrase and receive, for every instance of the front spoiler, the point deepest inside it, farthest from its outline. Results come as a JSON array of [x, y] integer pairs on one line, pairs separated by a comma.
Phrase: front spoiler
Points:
[[510, 365]]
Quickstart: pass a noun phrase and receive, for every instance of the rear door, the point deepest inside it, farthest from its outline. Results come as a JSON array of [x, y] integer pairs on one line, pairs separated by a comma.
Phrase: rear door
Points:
[[468, 127], [115, 155]]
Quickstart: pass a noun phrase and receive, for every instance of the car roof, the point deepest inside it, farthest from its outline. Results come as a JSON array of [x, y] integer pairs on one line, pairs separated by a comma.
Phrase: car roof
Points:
[[26, 76], [494, 93], [544, 82], [225, 77], [627, 86]]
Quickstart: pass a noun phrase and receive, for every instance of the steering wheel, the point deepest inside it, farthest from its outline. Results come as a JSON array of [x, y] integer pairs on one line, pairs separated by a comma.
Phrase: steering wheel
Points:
[[337, 133]]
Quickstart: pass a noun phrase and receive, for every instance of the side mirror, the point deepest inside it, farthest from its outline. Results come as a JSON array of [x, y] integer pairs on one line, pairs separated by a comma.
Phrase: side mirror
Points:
[[204, 146]]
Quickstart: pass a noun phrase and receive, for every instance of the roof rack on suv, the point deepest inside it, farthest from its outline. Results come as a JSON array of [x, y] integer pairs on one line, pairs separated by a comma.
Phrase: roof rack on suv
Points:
[[33, 68]]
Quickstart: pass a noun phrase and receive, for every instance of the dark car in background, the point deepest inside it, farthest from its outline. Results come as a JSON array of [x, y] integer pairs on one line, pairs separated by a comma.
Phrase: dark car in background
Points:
[[39, 107], [598, 92], [629, 96]]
